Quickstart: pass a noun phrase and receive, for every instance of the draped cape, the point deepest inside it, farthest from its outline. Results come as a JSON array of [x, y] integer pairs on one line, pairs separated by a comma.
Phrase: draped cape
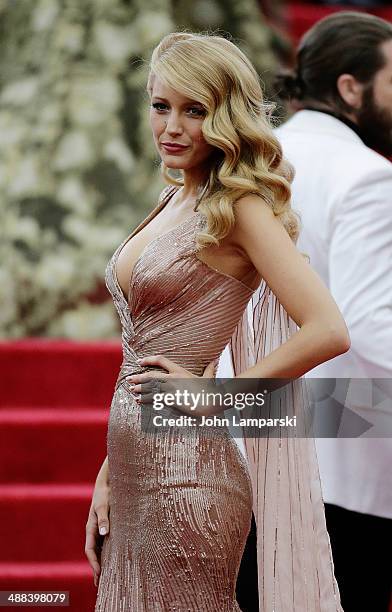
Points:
[[295, 567]]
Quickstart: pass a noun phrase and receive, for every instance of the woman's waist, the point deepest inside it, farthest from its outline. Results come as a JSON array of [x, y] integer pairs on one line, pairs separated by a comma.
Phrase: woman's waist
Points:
[[195, 363], [130, 367]]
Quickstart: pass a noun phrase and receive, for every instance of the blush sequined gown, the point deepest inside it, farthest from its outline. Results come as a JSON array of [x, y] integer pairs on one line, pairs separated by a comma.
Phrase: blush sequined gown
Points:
[[181, 503]]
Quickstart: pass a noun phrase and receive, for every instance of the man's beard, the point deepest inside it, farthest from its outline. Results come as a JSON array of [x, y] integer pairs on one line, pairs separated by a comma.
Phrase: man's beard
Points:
[[375, 124]]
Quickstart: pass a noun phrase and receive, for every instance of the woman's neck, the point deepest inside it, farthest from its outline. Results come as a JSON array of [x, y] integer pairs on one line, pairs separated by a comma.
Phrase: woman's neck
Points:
[[194, 182]]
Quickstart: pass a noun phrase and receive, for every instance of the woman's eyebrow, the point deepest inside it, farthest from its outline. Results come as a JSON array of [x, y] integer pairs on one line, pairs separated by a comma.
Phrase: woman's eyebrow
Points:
[[184, 104]]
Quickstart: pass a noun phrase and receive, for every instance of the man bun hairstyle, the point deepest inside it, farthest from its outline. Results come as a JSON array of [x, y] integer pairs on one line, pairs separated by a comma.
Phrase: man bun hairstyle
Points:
[[289, 85], [346, 42]]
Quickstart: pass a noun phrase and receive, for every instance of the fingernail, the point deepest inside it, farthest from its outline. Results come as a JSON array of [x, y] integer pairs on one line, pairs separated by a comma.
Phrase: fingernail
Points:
[[102, 530], [132, 386]]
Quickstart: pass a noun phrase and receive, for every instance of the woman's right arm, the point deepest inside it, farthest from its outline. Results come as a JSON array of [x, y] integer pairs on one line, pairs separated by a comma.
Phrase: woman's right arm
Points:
[[97, 525], [103, 474]]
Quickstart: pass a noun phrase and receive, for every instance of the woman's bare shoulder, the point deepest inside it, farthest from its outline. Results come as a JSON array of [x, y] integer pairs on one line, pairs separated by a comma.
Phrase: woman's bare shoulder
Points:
[[252, 215]]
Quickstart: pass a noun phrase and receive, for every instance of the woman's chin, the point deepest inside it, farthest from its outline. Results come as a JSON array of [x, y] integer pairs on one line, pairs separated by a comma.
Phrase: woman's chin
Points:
[[173, 164]]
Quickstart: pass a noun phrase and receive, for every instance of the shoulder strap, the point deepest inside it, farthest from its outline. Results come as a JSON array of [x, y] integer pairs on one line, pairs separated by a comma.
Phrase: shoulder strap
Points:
[[163, 199]]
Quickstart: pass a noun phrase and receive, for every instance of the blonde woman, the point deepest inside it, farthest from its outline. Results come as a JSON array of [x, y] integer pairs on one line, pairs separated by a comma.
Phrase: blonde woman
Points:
[[180, 505]]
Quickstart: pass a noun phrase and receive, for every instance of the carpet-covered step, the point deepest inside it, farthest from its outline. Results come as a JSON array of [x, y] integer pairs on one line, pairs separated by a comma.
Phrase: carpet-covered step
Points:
[[48, 373], [73, 576], [43, 522], [52, 445]]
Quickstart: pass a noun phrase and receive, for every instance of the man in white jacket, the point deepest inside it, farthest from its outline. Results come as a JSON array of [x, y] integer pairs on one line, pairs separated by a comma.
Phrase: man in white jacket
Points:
[[343, 192]]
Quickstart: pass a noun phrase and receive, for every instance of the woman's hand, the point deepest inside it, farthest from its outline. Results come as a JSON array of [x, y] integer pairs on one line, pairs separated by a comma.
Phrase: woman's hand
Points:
[[97, 526], [173, 371], [153, 382]]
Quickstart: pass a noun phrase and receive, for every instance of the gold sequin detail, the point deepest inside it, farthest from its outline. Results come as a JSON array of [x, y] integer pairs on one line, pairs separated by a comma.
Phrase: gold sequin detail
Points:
[[181, 502]]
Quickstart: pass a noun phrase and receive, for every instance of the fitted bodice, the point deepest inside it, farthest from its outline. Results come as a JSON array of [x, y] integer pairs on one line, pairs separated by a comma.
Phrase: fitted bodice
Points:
[[178, 305]]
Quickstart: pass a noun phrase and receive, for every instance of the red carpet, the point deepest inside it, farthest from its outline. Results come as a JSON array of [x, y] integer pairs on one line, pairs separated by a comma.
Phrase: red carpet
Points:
[[54, 405]]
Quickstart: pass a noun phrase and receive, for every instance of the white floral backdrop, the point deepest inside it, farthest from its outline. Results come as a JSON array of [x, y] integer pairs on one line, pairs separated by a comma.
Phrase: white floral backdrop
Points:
[[77, 165]]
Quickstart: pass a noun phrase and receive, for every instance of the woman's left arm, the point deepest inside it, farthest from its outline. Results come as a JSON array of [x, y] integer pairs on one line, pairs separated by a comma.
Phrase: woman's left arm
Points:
[[322, 332]]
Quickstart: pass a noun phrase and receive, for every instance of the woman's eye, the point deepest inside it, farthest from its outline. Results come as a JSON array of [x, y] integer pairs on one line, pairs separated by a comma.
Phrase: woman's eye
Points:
[[196, 111], [159, 106]]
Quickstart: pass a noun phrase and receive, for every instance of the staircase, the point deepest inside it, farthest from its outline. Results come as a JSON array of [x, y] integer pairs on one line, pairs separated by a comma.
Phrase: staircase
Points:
[[54, 406]]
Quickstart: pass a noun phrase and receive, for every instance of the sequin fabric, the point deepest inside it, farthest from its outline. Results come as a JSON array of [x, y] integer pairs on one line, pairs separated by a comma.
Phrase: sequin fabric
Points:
[[181, 502], [294, 558]]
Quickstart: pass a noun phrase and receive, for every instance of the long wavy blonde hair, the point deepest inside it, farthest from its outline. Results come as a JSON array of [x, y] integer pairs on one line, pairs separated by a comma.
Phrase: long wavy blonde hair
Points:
[[213, 71]]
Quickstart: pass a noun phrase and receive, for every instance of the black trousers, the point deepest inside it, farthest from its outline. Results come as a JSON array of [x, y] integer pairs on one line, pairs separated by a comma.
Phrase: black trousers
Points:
[[362, 554], [247, 589]]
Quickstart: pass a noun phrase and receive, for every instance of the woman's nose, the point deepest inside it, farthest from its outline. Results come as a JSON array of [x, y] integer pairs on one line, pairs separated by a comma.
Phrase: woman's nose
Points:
[[174, 124]]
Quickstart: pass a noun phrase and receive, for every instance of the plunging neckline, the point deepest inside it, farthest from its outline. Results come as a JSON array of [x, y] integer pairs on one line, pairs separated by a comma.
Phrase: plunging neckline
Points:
[[148, 245], [197, 214]]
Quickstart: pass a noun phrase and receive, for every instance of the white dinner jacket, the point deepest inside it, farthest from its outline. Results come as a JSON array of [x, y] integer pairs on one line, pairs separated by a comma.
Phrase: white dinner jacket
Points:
[[343, 192]]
